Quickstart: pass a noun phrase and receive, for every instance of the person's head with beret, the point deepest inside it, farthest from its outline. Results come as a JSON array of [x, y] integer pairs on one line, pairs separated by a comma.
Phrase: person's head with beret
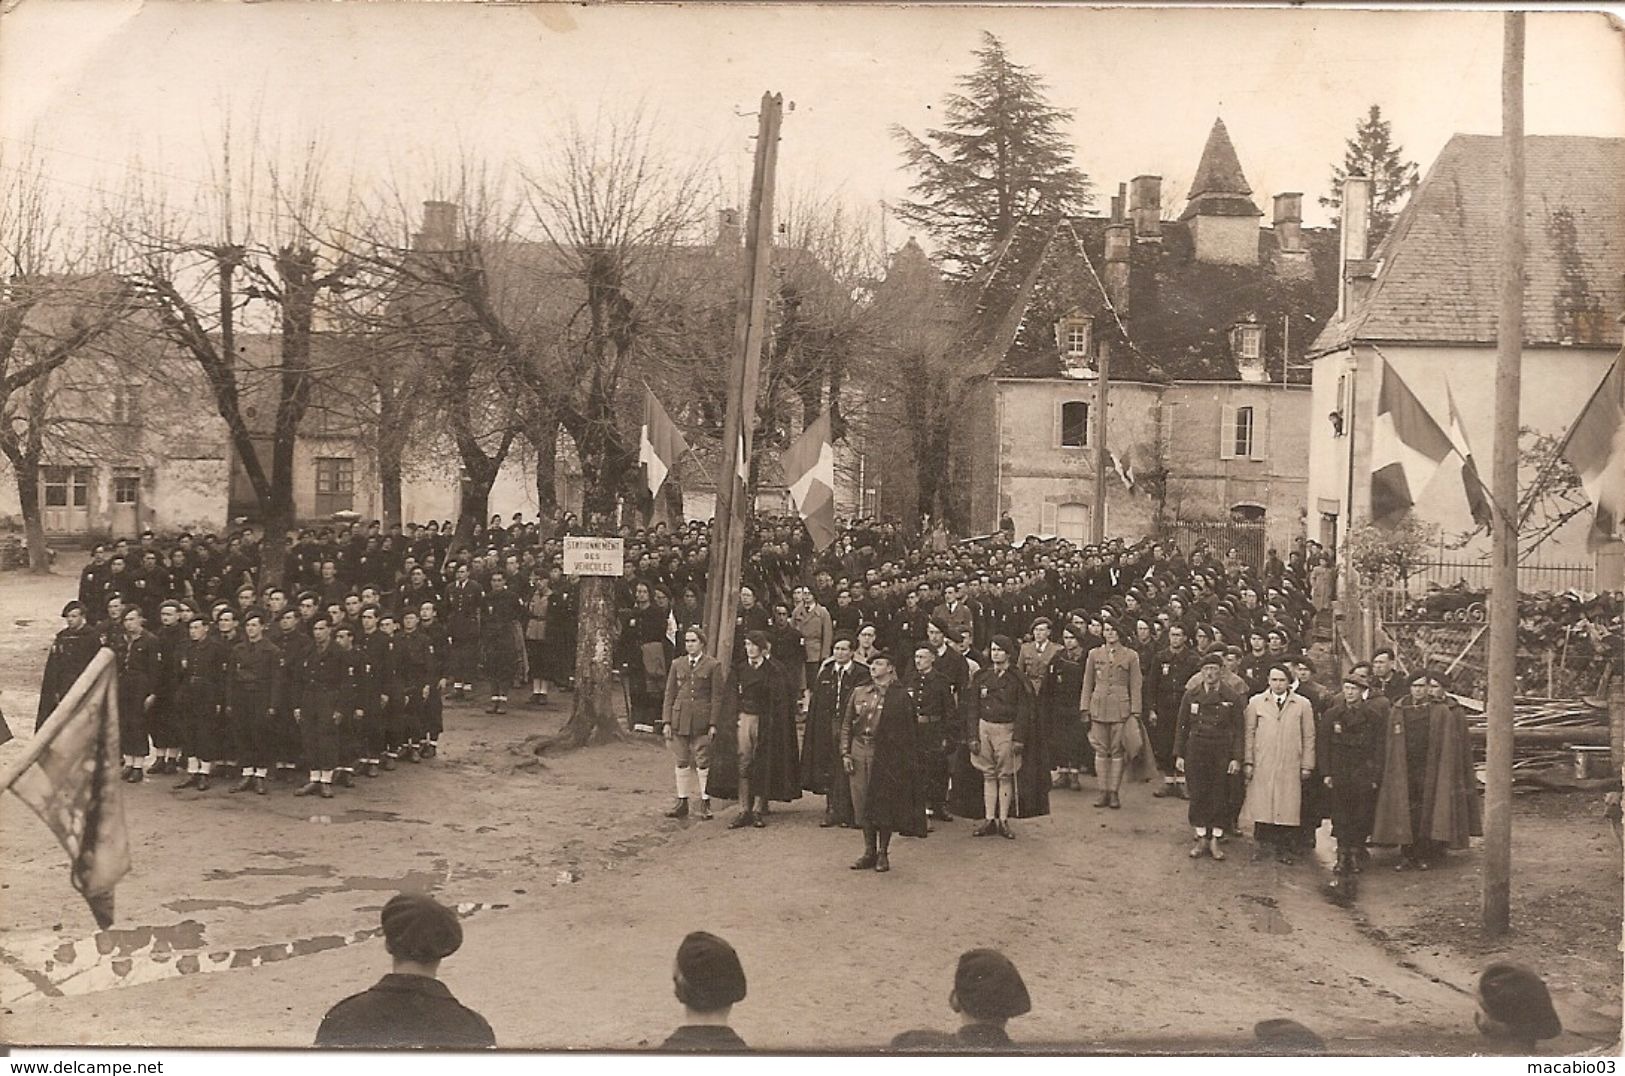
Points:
[[1005, 645], [74, 614], [1514, 1006], [987, 988], [420, 930], [708, 977], [756, 645], [1213, 660], [1282, 1036]]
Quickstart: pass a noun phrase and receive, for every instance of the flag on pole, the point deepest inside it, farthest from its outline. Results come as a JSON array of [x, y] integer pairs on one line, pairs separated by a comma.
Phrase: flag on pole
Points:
[[1407, 447], [662, 444], [1125, 472], [1477, 498], [69, 776], [809, 468], [1595, 448]]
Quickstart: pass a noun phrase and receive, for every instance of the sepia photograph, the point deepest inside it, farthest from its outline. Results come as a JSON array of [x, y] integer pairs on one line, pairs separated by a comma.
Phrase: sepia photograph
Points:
[[880, 531]]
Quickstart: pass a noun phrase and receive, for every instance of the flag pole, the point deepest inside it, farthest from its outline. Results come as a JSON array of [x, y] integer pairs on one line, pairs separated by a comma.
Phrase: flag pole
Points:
[[48, 731], [1503, 598], [732, 509]]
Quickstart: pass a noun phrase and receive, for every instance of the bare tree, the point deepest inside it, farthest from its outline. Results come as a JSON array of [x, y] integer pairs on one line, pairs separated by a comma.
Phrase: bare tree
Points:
[[613, 211], [250, 252], [57, 302]]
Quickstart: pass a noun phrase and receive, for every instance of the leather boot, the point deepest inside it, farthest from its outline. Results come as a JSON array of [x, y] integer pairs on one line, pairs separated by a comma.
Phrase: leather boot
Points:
[[429, 750], [326, 790], [703, 810], [343, 779], [190, 782], [369, 769], [203, 782], [870, 855], [243, 784], [260, 786], [387, 762], [309, 788], [678, 809]]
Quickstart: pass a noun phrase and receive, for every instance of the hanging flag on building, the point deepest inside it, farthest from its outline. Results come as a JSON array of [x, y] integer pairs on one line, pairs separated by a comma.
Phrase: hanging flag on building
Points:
[[809, 469], [1595, 448], [1125, 472], [1478, 500], [661, 445], [1407, 446], [69, 776]]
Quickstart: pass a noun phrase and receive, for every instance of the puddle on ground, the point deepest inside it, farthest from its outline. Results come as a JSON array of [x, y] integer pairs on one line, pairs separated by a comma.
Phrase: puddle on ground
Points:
[[1267, 917], [147, 954]]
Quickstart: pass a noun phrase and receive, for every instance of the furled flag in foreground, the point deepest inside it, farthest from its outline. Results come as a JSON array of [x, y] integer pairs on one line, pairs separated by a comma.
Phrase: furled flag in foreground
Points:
[[1125, 472], [1595, 447], [1477, 499], [661, 445], [809, 468], [1407, 447], [69, 776]]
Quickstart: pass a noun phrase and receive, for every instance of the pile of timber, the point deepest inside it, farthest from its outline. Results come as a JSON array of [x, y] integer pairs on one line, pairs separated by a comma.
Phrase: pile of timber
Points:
[[1544, 729]]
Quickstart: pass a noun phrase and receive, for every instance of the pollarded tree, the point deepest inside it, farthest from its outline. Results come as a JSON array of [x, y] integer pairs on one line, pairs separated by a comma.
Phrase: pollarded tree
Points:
[[1372, 152], [1002, 156]]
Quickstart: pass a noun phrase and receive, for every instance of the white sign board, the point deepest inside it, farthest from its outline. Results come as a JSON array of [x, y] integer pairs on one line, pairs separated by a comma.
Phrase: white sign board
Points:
[[594, 556]]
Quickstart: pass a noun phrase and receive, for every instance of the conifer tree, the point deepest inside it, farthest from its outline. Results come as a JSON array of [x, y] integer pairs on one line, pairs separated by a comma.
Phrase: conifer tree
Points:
[[1372, 152]]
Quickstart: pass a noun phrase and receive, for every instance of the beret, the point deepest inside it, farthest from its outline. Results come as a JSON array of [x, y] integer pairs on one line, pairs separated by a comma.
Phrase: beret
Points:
[[1003, 642], [1212, 659], [72, 607], [758, 639], [989, 987], [954, 634], [1283, 1036], [418, 927], [710, 969], [1514, 995]]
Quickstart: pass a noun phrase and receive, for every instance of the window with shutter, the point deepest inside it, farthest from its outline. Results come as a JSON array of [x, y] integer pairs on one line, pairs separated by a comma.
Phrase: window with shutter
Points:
[[1227, 432], [1260, 439], [1047, 519]]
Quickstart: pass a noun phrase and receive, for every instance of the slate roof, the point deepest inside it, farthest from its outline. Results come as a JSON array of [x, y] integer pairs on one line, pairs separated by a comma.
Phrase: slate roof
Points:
[[1180, 311], [1220, 189], [1439, 264]]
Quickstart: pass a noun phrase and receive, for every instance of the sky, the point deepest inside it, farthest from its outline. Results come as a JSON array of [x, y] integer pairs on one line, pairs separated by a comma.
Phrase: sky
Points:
[[89, 86]]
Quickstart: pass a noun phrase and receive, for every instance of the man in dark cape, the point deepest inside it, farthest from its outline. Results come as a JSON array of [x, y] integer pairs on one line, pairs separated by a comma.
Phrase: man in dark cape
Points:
[[879, 753], [1425, 803], [71, 653], [821, 771]]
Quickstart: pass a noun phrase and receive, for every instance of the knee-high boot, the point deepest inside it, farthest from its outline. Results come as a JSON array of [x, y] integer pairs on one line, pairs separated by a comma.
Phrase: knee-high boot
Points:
[[870, 850], [1103, 778]]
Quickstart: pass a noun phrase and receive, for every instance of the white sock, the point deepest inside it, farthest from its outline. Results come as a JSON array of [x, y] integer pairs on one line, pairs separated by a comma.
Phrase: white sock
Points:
[[206, 767], [700, 776], [1007, 793], [682, 782], [315, 775]]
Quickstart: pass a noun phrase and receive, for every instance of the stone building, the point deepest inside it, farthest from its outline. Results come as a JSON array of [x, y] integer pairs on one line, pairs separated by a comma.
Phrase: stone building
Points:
[[1426, 303], [1202, 324]]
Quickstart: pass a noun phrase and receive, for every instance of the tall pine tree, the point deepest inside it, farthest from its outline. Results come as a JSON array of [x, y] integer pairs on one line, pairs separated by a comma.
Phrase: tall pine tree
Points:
[[1002, 156], [1372, 152]]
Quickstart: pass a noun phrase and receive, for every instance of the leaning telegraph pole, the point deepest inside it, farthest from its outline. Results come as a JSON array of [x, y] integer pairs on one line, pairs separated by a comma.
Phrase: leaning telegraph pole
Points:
[[744, 373], [1503, 600]]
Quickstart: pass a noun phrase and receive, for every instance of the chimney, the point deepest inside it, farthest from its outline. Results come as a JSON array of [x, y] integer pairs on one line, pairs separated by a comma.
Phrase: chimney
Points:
[[1119, 247], [729, 234], [1145, 206], [1355, 231], [1289, 222], [439, 227]]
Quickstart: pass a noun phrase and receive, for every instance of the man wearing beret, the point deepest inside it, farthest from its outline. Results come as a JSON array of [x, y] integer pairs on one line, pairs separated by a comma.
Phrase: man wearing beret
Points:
[[988, 992], [71, 653], [410, 1008], [1514, 1008], [708, 981]]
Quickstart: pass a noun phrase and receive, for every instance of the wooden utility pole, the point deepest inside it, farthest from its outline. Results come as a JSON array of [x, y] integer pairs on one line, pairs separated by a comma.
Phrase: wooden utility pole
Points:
[[739, 424], [1503, 599], [1097, 530]]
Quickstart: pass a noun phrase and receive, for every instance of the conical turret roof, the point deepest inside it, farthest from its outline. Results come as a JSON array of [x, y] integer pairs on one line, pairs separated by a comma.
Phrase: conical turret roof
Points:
[[1220, 188]]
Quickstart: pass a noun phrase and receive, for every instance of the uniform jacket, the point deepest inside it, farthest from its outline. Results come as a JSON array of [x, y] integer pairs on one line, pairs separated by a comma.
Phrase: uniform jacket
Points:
[[999, 699], [1111, 684], [405, 1012], [71, 654], [1211, 716], [694, 694], [817, 632], [1349, 742], [961, 618], [1034, 663], [253, 676], [1280, 743]]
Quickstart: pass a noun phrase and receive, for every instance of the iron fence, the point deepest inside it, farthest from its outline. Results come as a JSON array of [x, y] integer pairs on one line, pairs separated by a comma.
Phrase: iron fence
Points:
[[1477, 575]]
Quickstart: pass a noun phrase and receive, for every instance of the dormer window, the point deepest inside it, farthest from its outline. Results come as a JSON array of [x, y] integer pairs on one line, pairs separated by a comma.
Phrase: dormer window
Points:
[[1247, 342], [1074, 337]]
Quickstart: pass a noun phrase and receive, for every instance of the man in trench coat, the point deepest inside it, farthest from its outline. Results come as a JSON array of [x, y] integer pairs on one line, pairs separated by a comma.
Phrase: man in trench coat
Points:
[[1278, 758]]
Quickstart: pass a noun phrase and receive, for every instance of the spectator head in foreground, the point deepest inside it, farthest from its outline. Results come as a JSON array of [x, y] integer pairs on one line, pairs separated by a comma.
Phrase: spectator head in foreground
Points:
[[708, 980], [1514, 1007], [1288, 1038], [410, 1007]]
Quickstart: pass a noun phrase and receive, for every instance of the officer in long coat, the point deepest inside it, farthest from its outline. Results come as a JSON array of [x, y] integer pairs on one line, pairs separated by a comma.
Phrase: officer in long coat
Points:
[[463, 628], [1280, 755], [878, 753], [251, 702], [821, 770], [72, 651]]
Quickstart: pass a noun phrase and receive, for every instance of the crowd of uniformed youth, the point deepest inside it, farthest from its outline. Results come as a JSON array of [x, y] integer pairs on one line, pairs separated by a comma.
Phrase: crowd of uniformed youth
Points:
[[1022, 667]]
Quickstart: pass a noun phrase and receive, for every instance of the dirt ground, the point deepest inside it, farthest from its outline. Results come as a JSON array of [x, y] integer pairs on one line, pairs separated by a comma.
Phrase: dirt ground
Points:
[[244, 918]]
